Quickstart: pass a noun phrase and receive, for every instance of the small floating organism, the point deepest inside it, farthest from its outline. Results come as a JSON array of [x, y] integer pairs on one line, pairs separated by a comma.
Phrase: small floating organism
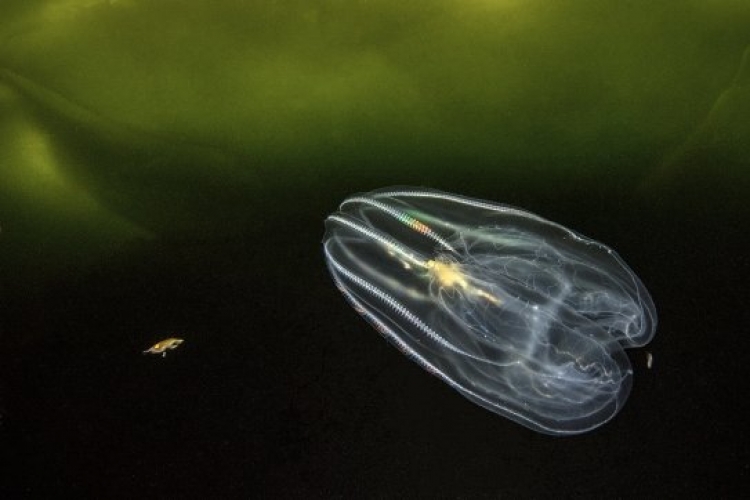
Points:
[[163, 346]]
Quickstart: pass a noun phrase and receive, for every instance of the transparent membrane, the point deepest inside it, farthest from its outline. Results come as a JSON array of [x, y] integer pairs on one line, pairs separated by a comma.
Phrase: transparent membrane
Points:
[[519, 314]]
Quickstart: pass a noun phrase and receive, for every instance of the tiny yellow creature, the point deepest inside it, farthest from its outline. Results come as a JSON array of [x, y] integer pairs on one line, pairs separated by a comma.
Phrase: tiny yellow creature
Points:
[[163, 346]]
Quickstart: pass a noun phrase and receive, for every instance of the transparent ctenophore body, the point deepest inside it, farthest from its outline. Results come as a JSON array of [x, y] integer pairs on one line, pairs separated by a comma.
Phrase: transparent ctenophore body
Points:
[[519, 314]]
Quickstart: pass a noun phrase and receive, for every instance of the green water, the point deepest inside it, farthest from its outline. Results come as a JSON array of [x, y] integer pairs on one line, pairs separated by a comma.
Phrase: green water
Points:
[[128, 120]]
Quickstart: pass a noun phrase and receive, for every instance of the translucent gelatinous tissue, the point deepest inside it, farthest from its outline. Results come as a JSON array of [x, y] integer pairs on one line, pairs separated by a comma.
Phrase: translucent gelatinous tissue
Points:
[[519, 314]]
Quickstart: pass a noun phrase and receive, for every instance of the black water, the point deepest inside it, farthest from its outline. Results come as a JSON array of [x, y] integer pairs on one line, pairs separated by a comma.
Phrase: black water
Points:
[[282, 391]]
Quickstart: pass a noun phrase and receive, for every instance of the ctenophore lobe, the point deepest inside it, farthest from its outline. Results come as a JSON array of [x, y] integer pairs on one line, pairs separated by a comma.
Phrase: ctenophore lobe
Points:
[[519, 314]]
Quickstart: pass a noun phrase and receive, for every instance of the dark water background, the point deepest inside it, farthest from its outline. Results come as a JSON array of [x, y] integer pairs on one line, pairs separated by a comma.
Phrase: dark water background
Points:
[[281, 389], [154, 184]]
